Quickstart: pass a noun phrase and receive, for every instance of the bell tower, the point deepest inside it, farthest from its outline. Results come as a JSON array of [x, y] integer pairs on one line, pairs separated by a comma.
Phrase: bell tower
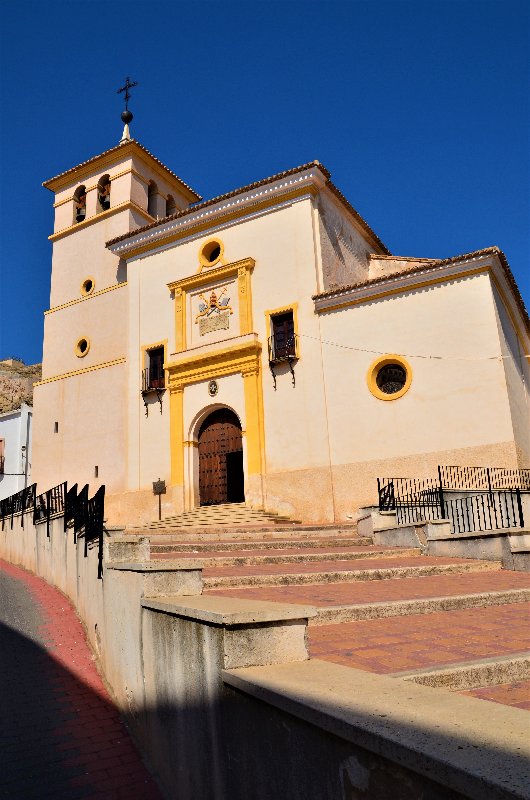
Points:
[[86, 326]]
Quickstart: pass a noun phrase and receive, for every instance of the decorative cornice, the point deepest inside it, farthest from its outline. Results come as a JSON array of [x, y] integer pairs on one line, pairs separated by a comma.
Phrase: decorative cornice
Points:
[[129, 205], [81, 371], [209, 275], [234, 205], [127, 150], [195, 367], [86, 297]]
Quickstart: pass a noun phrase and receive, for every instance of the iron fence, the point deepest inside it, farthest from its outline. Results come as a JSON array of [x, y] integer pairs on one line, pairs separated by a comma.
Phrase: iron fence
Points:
[[485, 478], [82, 514], [19, 503], [495, 502]]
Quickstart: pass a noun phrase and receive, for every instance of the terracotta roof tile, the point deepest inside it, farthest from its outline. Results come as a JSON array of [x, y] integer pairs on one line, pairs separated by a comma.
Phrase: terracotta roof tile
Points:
[[433, 264], [250, 187], [115, 149]]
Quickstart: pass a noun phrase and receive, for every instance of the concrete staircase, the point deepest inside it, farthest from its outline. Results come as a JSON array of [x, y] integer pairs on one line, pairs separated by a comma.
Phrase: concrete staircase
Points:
[[225, 514], [454, 622]]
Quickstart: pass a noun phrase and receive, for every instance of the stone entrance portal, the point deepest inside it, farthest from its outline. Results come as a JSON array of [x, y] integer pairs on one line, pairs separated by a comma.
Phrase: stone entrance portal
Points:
[[221, 477]]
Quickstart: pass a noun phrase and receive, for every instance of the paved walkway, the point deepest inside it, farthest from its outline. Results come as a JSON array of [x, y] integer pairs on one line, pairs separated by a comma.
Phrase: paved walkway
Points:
[[60, 735]]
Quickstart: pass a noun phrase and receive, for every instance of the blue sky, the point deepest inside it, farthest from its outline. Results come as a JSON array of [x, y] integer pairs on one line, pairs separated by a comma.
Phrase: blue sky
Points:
[[419, 109]]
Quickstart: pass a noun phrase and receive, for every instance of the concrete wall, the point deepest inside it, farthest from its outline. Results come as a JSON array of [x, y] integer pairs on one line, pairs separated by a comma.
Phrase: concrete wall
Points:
[[225, 704], [345, 251]]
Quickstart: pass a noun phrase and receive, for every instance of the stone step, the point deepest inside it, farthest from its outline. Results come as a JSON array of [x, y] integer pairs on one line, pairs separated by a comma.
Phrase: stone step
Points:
[[473, 674], [424, 643], [255, 544], [337, 614], [256, 558], [242, 533], [223, 514], [338, 572], [394, 595]]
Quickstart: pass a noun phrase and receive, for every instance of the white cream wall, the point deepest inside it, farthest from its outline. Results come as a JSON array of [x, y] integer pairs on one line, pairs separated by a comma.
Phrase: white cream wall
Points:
[[101, 319], [517, 372], [456, 401], [282, 244], [92, 427], [345, 251]]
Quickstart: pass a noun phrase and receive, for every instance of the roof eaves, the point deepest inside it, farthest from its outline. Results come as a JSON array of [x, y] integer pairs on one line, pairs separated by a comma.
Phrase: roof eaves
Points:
[[434, 264], [219, 199], [114, 149]]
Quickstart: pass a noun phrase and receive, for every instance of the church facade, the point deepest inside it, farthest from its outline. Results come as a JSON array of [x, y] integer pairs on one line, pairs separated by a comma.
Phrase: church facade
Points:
[[263, 346]]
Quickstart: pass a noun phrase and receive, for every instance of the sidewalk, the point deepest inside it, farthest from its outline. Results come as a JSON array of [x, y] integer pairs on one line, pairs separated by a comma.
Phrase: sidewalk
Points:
[[60, 734]]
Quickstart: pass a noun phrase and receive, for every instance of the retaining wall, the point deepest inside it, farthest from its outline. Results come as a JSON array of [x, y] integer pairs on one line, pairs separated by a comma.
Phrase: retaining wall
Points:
[[224, 702]]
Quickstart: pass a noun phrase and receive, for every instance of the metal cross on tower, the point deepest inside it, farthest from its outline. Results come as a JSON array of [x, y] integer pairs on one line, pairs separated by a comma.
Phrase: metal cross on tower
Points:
[[128, 85]]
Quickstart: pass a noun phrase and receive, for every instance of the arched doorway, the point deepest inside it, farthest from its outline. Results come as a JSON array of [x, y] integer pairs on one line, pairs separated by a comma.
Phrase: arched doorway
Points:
[[221, 478]]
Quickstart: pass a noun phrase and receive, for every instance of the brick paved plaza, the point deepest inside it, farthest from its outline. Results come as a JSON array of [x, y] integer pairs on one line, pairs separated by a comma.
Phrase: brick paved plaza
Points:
[[61, 736]]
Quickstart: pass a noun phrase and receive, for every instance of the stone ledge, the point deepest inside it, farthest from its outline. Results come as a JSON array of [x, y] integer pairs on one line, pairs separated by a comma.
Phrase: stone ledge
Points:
[[473, 674], [477, 748], [155, 566], [229, 610]]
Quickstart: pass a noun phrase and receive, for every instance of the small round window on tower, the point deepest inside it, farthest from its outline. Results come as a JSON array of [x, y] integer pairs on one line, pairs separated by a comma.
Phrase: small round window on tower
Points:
[[82, 347], [210, 253], [389, 377], [87, 287]]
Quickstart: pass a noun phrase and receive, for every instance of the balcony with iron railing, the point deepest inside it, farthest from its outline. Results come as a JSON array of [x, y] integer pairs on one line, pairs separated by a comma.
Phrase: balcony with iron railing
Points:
[[153, 380], [283, 349]]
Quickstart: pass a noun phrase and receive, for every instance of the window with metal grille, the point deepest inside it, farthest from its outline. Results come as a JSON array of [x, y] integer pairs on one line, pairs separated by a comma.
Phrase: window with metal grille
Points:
[[154, 374], [283, 339]]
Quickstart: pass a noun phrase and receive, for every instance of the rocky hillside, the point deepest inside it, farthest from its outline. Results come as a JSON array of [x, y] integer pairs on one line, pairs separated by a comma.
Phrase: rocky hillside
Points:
[[16, 383]]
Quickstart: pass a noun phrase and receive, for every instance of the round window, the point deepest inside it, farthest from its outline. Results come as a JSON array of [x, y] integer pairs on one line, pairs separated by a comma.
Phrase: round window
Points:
[[210, 253], [389, 377], [82, 347], [87, 287]]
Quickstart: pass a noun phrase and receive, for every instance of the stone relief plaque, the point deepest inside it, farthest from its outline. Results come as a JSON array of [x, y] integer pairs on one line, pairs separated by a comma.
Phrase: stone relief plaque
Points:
[[214, 311]]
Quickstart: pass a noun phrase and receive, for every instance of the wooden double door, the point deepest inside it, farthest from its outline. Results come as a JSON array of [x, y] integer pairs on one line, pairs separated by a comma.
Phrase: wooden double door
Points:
[[221, 477]]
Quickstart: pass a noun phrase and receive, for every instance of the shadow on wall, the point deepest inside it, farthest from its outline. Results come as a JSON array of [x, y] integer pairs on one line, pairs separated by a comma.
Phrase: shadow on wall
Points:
[[62, 739]]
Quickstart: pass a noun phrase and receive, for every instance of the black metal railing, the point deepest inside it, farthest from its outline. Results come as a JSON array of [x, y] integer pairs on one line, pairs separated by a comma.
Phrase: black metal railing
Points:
[[282, 348], [82, 514], [48, 504], [495, 502], [19, 503], [486, 511], [485, 478], [153, 378]]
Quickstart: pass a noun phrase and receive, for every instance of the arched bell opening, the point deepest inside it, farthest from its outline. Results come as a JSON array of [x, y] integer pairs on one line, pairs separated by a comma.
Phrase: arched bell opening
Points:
[[103, 203], [80, 204], [152, 194], [220, 449]]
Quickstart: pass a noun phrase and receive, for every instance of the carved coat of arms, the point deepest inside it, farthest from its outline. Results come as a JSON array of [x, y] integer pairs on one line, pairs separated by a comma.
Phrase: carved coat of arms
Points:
[[214, 312]]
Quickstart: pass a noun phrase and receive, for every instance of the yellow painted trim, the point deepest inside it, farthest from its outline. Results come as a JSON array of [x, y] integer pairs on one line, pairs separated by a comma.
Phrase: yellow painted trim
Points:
[[220, 220], [371, 377], [86, 297], [176, 427], [243, 358], [87, 293], [283, 310], [75, 372], [127, 206], [203, 261], [375, 295], [77, 349], [182, 287]]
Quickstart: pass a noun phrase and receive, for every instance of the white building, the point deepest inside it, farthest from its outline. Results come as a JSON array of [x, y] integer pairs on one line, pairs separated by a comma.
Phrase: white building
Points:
[[15, 450], [263, 346]]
